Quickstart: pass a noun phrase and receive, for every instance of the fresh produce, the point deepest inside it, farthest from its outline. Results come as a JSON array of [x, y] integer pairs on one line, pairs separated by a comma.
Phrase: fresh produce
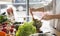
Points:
[[4, 30], [26, 29], [2, 33], [3, 18], [37, 24], [11, 30]]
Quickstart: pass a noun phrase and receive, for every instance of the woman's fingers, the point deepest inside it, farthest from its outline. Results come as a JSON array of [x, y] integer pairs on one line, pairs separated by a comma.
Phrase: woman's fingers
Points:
[[46, 17]]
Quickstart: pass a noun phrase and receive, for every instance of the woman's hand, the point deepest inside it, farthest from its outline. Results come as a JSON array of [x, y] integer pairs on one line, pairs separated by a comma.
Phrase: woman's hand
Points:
[[47, 17]]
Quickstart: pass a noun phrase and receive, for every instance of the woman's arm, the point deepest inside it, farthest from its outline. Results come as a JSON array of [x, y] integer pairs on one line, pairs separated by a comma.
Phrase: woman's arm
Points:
[[49, 17], [56, 16]]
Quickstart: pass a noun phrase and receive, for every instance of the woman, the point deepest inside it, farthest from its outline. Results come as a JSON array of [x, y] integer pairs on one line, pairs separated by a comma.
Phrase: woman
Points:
[[56, 16]]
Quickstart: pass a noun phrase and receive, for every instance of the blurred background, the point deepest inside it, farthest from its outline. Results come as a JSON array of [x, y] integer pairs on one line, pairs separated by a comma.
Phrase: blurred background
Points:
[[21, 11]]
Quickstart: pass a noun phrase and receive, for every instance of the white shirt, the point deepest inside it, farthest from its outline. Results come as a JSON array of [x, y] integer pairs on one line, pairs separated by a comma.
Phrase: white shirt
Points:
[[56, 22], [58, 12]]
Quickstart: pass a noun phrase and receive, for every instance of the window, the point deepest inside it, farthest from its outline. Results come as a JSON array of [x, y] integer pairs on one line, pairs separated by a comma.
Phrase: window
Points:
[[23, 3]]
